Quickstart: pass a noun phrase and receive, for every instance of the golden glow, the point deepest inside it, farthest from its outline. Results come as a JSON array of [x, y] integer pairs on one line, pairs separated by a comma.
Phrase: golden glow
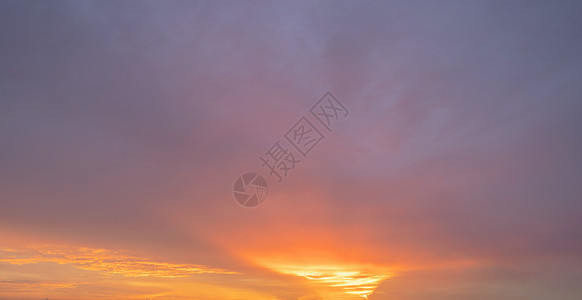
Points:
[[34, 286], [91, 273], [354, 280], [105, 261], [65, 272]]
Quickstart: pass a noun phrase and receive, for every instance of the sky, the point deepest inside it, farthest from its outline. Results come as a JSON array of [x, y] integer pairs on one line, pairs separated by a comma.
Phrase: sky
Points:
[[454, 171]]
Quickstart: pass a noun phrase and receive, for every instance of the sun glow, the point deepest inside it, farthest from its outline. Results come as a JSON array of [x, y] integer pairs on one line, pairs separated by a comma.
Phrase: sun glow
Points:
[[358, 281]]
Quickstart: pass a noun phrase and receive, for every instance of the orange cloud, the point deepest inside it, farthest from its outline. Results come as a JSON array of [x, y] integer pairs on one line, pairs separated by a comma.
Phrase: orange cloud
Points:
[[67, 272], [105, 261]]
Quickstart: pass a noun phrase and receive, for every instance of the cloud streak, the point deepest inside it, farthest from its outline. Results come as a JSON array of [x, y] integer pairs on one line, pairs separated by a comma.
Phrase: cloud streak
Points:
[[101, 260]]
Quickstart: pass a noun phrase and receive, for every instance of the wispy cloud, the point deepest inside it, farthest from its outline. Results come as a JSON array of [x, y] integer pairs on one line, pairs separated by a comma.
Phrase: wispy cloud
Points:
[[104, 261]]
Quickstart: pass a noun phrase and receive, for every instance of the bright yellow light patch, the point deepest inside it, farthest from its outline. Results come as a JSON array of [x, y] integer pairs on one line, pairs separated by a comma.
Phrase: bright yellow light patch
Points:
[[356, 280]]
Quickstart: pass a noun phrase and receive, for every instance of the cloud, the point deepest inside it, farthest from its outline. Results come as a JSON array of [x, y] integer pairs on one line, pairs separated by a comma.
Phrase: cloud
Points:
[[102, 260], [124, 127]]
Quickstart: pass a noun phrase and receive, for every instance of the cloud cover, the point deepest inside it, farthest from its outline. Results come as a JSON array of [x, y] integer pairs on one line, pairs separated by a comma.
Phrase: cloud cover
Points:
[[124, 125]]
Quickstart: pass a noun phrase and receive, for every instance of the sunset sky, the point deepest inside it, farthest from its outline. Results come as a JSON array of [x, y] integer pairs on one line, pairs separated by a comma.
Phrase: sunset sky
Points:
[[456, 175]]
